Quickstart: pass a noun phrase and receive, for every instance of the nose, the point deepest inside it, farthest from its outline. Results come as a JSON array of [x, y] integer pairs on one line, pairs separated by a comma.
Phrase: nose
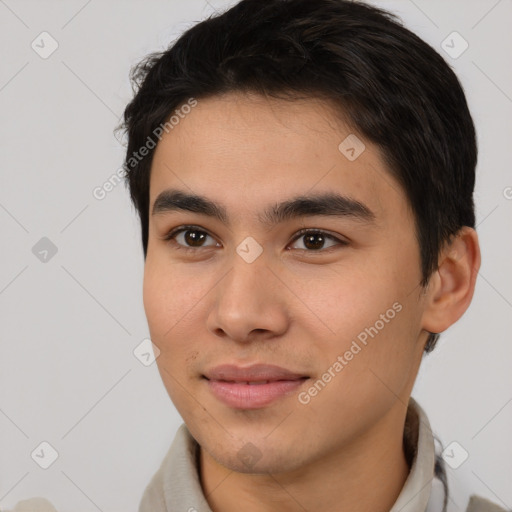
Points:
[[249, 303]]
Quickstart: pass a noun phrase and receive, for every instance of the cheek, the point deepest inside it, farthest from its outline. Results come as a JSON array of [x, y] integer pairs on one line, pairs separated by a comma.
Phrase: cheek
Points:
[[166, 311], [174, 303], [158, 303], [372, 323], [345, 302], [167, 295]]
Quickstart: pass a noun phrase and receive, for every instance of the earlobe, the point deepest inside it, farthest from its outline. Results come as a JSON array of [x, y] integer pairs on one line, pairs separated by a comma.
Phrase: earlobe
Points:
[[452, 285]]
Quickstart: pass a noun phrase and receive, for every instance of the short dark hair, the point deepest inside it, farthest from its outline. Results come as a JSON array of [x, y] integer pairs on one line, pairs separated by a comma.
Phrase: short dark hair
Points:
[[387, 83]]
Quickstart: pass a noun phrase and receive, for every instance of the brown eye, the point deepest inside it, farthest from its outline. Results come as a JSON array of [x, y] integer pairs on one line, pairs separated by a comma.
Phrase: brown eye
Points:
[[194, 238], [189, 237], [315, 240]]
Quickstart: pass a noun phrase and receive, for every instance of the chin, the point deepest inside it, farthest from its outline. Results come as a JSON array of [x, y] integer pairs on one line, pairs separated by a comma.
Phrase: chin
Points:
[[254, 457]]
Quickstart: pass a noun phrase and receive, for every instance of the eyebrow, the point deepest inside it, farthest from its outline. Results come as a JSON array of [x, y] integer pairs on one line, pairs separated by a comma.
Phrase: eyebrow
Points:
[[326, 204]]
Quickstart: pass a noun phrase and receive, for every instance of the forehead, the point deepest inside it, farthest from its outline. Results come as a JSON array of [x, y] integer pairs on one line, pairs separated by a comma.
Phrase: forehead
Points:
[[241, 150]]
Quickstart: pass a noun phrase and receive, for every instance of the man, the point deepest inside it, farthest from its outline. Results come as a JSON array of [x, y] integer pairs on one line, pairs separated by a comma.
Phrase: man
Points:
[[304, 173], [308, 231]]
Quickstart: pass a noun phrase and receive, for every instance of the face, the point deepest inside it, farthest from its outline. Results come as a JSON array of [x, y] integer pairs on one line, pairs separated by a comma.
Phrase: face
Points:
[[316, 302]]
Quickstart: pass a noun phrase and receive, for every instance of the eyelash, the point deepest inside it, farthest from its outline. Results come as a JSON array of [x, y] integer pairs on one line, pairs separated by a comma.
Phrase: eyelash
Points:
[[175, 232]]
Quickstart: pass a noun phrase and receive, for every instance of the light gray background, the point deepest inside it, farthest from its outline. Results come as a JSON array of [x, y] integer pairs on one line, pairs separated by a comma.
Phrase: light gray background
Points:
[[68, 375]]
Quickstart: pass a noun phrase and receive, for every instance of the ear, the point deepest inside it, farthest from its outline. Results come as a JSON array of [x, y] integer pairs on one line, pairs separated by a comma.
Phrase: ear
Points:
[[452, 285]]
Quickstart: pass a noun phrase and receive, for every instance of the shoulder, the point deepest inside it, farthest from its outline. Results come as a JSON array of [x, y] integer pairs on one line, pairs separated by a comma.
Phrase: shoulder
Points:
[[33, 505], [479, 504]]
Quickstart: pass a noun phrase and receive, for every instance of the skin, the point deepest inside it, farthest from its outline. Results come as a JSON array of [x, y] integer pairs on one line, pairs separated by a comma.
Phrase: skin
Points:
[[293, 306]]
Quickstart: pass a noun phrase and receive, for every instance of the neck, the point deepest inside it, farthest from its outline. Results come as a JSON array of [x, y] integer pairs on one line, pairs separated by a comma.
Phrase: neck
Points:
[[366, 476]]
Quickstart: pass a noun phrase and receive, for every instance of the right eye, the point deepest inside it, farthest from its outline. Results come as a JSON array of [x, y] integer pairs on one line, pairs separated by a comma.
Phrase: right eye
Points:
[[189, 238]]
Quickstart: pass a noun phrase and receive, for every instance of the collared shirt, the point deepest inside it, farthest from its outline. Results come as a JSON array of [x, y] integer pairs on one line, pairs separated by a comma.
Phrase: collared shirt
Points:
[[176, 487]]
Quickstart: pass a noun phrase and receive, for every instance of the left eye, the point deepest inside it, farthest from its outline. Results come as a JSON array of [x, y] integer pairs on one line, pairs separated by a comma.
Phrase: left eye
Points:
[[313, 238], [190, 238]]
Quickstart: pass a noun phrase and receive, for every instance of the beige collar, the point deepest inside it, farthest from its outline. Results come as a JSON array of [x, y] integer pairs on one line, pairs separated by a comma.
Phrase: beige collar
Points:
[[176, 484]]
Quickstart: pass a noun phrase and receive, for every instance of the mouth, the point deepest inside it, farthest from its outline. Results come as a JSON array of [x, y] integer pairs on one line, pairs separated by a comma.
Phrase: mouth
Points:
[[252, 387]]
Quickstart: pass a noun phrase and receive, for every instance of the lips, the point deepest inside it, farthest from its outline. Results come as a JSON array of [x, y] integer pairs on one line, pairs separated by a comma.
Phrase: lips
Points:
[[257, 374], [252, 387]]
